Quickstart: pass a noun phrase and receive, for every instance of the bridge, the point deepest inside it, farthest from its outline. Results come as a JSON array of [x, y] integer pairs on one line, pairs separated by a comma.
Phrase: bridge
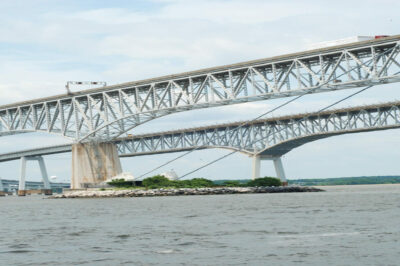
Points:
[[95, 118], [263, 139], [7, 185]]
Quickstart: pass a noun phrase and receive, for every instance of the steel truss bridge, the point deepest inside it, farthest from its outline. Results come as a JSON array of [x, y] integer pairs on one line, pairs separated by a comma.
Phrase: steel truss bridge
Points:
[[106, 113], [272, 137], [268, 138]]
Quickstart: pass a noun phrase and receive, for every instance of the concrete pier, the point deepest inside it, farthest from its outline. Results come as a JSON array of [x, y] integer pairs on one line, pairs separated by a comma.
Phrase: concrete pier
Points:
[[93, 163], [43, 170], [280, 172]]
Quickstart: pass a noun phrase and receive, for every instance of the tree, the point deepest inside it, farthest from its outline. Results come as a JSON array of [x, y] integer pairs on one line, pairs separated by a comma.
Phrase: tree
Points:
[[200, 182], [265, 182], [157, 181], [121, 183], [232, 183]]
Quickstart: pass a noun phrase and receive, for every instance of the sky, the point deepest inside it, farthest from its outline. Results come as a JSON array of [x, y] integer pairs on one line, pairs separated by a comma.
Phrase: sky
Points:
[[45, 43]]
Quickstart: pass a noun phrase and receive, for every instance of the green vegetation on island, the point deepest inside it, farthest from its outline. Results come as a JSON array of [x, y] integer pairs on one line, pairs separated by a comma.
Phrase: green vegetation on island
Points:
[[258, 182], [163, 182], [159, 181]]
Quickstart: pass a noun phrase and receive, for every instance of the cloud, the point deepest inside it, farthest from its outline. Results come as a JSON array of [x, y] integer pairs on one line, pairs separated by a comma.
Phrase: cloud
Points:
[[249, 12], [109, 16]]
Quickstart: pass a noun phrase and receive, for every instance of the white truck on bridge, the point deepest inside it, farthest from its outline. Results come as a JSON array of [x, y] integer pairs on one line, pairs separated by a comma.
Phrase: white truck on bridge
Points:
[[347, 40]]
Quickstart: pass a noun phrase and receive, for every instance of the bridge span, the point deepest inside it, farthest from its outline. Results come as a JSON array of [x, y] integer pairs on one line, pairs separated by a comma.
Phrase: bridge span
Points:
[[264, 139], [94, 119], [108, 112]]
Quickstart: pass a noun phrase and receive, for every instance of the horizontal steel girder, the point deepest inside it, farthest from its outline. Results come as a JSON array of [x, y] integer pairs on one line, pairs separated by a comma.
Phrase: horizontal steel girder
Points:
[[271, 137], [106, 113]]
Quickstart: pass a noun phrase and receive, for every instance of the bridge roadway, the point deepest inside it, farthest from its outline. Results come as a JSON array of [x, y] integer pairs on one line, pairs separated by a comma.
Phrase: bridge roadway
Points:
[[262, 139], [106, 113]]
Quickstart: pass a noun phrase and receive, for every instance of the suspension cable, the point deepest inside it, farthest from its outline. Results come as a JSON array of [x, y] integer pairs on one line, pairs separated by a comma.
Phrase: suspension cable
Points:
[[232, 152], [241, 125]]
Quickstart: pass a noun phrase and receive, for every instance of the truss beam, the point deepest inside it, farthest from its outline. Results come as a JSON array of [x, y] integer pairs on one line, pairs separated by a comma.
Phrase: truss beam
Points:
[[104, 114]]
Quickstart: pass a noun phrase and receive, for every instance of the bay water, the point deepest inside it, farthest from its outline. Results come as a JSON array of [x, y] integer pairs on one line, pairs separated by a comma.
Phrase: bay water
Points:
[[346, 225]]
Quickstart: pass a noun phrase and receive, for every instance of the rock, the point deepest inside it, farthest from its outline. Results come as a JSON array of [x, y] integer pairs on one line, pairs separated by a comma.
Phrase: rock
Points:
[[180, 191]]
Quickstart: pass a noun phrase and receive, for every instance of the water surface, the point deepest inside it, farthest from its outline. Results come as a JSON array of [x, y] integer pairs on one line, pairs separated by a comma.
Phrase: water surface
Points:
[[347, 225]]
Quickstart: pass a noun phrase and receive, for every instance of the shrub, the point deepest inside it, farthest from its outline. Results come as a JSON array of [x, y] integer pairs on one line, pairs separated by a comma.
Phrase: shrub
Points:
[[232, 183], [121, 183], [178, 184], [157, 181], [161, 182], [199, 182], [264, 182]]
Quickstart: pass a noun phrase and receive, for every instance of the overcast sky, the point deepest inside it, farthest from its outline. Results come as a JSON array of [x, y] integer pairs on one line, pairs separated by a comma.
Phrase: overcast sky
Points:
[[44, 43]]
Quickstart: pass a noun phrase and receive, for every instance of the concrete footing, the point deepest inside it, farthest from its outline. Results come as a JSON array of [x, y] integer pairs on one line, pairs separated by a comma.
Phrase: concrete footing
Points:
[[47, 192], [26, 192], [94, 163], [22, 193]]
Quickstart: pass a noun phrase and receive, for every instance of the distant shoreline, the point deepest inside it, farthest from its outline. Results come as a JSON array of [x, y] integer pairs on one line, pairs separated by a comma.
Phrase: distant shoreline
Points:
[[180, 192], [352, 185], [357, 180]]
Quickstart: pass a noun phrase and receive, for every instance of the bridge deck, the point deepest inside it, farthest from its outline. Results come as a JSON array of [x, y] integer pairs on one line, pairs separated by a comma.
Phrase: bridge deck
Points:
[[275, 120]]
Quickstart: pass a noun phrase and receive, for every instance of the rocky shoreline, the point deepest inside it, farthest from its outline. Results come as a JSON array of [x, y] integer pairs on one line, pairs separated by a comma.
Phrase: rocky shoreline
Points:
[[180, 192]]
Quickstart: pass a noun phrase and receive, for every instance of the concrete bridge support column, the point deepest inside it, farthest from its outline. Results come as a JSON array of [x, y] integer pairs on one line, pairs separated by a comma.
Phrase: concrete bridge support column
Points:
[[43, 170], [280, 172], [93, 163], [256, 166], [2, 193], [21, 183]]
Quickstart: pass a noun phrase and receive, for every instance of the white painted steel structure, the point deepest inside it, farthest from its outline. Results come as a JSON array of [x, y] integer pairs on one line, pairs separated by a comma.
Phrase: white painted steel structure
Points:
[[11, 156], [269, 138], [104, 114], [266, 139]]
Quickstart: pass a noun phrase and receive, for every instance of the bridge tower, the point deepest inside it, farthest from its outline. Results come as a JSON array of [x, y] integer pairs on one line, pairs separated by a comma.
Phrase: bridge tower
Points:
[[280, 172]]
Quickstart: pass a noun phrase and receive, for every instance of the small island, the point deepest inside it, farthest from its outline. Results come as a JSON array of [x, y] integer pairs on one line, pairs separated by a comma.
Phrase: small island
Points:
[[162, 186]]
